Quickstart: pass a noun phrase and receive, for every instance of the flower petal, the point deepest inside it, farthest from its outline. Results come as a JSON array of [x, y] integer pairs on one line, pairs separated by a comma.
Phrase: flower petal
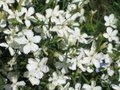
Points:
[[29, 33], [21, 83], [26, 49], [27, 23], [31, 11], [4, 45], [21, 40], [34, 81], [34, 47], [36, 39], [109, 30]]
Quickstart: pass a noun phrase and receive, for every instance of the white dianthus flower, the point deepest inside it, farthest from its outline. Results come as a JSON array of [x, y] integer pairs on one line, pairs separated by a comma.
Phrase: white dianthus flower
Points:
[[92, 86], [15, 84], [29, 41], [111, 35], [36, 69], [58, 79], [110, 20]]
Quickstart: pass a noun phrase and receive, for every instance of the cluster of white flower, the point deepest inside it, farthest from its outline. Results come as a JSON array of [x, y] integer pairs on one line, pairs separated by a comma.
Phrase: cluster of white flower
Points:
[[36, 69], [85, 86], [111, 35], [53, 49], [111, 32]]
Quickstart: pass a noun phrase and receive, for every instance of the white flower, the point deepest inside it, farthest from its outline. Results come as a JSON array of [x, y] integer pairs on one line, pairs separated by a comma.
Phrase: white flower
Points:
[[36, 69], [5, 2], [110, 20], [80, 61], [30, 41], [14, 86], [110, 47], [77, 87], [58, 79], [30, 75], [77, 62], [11, 31], [62, 31], [116, 87], [15, 14], [53, 15], [53, 12], [92, 57], [10, 44], [38, 66], [40, 17], [111, 35], [92, 86], [77, 36], [28, 16], [110, 71]]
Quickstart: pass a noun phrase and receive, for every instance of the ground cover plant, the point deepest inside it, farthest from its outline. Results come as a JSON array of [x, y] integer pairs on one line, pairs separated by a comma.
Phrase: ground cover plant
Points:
[[59, 45]]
